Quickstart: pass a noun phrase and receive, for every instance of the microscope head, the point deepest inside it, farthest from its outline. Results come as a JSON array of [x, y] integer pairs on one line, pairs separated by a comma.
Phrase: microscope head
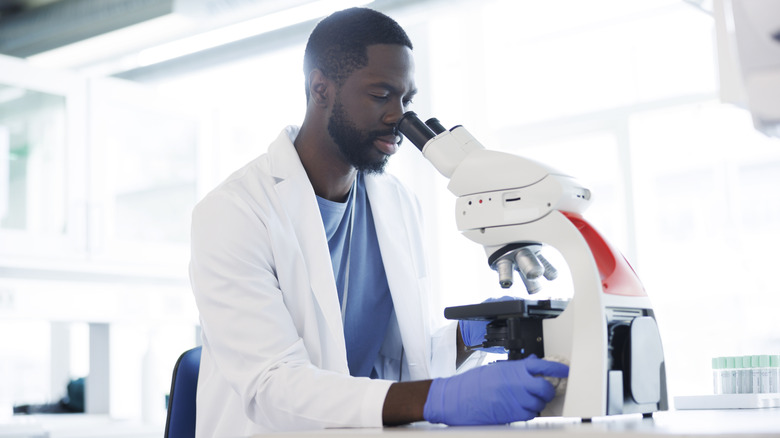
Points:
[[497, 190]]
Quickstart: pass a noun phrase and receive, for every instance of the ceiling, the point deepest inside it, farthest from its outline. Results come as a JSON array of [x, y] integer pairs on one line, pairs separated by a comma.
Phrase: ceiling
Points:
[[29, 27], [16, 6], [108, 37], [77, 34]]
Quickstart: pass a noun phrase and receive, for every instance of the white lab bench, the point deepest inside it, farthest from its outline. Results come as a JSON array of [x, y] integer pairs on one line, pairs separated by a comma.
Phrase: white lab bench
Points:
[[726, 423], [75, 426], [704, 423]]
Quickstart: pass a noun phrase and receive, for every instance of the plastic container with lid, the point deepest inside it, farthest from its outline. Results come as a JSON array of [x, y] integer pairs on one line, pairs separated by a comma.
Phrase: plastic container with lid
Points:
[[765, 370], [774, 376], [754, 359], [739, 378], [729, 376], [747, 375], [716, 369]]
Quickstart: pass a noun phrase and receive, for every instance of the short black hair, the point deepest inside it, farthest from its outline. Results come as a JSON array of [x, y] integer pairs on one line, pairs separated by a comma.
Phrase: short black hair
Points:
[[337, 45]]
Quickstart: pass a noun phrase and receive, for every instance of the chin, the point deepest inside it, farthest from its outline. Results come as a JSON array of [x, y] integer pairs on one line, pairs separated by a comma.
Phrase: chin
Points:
[[373, 168]]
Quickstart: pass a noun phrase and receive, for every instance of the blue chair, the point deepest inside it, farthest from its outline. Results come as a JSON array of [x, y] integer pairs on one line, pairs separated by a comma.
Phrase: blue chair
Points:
[[180, 422]]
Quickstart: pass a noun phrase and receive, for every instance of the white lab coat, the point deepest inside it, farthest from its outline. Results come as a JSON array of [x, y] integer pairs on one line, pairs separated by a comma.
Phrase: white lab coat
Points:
[[274, 356]]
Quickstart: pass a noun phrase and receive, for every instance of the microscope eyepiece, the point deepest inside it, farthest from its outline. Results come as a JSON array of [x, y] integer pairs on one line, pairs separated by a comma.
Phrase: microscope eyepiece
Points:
[[435, 125], [414, 129]]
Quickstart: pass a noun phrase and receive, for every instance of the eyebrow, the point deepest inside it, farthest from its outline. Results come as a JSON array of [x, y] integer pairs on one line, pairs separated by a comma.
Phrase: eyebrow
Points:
[[390, 87]]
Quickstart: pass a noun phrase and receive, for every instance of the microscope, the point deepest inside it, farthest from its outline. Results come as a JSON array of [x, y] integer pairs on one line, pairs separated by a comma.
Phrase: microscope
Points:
[[514, 207]]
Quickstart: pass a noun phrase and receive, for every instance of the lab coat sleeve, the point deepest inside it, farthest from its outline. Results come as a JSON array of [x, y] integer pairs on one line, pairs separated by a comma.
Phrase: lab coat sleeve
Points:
[[249, 333], [444, 350]]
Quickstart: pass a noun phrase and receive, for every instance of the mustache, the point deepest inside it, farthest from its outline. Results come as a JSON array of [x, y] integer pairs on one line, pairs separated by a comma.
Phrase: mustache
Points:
[[388, 132]]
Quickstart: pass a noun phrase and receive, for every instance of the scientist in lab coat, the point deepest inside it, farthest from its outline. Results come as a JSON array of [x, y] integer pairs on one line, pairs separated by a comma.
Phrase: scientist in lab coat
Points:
[[309, 274]]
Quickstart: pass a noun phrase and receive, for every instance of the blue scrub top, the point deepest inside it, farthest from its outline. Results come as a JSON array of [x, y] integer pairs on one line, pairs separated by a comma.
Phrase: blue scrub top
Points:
[[369, 304]]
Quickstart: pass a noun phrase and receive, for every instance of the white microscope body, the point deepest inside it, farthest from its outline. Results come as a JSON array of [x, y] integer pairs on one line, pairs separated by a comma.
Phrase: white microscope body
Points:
[[510, 204]]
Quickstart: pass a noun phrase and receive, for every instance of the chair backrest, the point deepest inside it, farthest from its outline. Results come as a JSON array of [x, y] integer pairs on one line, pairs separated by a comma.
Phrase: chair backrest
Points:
[[181, 401]]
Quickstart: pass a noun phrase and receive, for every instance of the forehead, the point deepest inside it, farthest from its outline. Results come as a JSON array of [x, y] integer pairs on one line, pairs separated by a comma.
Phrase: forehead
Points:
[[388, 63]]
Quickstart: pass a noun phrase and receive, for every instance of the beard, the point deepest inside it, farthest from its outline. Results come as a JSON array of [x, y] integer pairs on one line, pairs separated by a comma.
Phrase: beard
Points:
[[356, 146]]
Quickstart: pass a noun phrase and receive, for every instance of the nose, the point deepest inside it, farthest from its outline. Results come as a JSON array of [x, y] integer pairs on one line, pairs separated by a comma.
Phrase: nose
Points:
[[394, 113]]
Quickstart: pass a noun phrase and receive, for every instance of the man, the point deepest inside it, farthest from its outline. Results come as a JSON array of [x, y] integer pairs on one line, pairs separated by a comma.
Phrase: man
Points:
[[308, 270]]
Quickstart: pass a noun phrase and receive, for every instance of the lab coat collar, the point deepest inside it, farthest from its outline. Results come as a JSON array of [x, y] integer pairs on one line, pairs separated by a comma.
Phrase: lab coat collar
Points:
[[297, 195]]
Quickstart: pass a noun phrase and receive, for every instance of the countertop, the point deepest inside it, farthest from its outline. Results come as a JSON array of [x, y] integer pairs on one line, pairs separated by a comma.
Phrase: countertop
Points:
[[689, 423]]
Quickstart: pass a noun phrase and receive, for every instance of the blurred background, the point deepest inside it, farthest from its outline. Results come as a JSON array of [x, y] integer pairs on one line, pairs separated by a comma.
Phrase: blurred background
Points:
[[117, 116]]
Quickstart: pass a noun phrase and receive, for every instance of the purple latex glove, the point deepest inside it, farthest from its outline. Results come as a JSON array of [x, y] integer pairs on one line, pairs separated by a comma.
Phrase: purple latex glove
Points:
[[473, 332], [497, 393]]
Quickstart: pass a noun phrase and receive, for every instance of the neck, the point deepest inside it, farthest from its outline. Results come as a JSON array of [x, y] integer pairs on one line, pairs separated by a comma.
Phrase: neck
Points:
[[329, 175]]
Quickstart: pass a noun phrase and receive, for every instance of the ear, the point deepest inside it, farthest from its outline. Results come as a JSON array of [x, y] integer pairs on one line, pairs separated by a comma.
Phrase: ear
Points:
[[321, 88]]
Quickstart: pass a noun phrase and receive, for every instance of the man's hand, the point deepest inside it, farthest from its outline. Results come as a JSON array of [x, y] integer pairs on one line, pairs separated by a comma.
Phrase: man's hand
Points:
[[404, 402], [498, 393]]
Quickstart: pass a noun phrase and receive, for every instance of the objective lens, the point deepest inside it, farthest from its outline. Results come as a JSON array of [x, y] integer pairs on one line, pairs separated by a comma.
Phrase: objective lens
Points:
[[532, 286], [505, 270], [550, 272], [528, 264]]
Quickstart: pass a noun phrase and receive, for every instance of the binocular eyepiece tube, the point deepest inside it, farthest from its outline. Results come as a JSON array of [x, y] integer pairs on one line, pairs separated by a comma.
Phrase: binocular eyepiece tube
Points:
[[416, 131]]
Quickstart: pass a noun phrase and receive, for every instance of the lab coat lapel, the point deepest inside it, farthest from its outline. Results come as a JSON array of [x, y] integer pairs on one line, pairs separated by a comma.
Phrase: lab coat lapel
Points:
[[398, 256], [297, 195]]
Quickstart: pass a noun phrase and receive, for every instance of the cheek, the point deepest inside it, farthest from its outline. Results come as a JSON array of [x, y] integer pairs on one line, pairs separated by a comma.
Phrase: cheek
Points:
[[363, 111]]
